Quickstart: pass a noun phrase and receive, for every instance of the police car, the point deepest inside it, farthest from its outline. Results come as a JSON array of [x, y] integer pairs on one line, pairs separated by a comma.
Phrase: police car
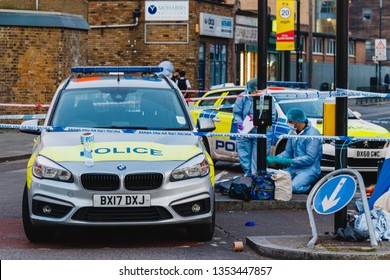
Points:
[[362, 155], [118, 150]]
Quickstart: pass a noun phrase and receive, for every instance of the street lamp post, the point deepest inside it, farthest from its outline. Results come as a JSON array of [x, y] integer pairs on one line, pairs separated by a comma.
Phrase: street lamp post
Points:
[[298, 44]]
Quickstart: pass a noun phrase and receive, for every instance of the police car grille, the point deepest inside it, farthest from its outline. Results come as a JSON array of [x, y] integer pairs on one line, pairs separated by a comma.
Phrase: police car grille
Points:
[[143, 181], [100, 182], [368, 145], [121, 214]]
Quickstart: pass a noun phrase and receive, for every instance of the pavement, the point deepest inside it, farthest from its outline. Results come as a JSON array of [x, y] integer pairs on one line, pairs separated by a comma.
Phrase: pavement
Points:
[[16, 145]]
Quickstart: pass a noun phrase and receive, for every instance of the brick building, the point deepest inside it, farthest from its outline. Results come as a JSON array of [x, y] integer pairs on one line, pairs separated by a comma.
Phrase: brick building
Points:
[[118, 37], [37, 51], [214, 41]]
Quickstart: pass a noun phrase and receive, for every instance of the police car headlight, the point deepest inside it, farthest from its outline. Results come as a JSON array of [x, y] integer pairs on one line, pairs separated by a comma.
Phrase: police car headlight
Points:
[[196, 167], [44, 168]]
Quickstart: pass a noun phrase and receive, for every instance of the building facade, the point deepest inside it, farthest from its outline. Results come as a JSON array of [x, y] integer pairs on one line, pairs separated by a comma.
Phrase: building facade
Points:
[[214, 41]]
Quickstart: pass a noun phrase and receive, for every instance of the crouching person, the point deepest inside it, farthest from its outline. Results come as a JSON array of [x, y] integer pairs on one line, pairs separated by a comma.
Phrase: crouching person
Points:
[[304, 154]]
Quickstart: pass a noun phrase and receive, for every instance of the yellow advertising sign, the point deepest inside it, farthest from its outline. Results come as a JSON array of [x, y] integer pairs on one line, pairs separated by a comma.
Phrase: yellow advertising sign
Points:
[[285, 10]]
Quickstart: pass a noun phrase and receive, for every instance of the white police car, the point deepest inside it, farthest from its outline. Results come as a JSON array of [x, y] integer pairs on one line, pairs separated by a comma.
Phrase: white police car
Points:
[[362, 155], [136, 162]]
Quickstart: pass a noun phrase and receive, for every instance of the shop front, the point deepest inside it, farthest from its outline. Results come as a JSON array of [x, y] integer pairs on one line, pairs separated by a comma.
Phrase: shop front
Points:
[[246, 51]]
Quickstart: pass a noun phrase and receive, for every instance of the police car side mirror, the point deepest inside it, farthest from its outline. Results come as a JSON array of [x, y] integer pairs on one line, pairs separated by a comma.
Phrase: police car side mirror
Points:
[[31, 124], [205, 125]]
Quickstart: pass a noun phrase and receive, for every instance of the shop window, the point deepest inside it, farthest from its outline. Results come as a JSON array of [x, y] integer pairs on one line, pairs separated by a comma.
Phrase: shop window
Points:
[[273, 70], [218, 63]]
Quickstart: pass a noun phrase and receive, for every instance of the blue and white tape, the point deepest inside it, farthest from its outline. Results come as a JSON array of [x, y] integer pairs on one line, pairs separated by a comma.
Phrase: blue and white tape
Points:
[[210, 107], [191, 133], [24, 117], [343, 92]]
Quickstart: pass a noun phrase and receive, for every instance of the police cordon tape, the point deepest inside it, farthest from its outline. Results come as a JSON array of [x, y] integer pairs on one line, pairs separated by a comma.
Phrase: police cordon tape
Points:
[[285, 94], [301, 94], [186, 133], [24, 105], [43, 116], [211, 107], [24, 117], [343, 92]]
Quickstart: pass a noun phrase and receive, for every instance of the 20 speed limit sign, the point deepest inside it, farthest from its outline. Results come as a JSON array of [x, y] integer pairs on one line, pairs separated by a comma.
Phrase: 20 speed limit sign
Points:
[[285, 12]]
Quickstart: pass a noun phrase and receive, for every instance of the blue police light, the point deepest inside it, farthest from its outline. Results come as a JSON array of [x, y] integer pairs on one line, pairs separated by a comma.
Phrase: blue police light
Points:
[[116, 69], [288, 84]]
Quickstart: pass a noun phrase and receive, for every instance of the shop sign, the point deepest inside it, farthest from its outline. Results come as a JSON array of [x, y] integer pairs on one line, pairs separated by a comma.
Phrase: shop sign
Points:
[[215, 25], [243, 20], [167, 10], [245, 35]]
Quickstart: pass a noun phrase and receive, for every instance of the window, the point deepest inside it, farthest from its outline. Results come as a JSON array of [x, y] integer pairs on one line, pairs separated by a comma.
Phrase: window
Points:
[[317, 45], [218, 64], [210, 102], [230, 101], [367, 14], [351, 48], [201, 66], [331, 47]]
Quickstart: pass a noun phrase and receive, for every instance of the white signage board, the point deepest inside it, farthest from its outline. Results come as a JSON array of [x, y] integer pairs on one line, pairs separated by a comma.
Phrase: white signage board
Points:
[[215, 25], [167, 10], [243, 20], [245, 35], [380, 49]]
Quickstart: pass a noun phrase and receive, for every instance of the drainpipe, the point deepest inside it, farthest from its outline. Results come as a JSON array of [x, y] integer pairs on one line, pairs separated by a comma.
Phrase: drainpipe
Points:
[[136, 14], [36, 5]]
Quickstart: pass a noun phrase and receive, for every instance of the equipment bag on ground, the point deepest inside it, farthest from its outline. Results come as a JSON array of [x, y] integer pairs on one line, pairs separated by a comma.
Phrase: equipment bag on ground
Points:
[[262, 187]]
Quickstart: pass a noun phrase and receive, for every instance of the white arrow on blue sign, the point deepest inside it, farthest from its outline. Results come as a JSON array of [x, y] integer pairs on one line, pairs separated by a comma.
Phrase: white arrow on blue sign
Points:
[[334, 194]]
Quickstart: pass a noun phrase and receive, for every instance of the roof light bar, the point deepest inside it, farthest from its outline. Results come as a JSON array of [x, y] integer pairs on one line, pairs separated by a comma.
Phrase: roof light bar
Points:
[[116, 69], [288, 84]]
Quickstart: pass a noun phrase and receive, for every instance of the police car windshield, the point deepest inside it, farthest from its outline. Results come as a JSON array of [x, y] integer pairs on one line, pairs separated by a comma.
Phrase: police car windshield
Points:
[[127, 108], [313, 108]]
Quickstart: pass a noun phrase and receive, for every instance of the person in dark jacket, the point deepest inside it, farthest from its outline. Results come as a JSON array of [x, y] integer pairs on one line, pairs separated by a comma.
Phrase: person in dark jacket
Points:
[[183, 83]]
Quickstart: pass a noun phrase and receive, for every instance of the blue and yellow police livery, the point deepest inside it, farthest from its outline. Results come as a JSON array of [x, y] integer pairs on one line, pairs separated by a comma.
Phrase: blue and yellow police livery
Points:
[[362, 155]]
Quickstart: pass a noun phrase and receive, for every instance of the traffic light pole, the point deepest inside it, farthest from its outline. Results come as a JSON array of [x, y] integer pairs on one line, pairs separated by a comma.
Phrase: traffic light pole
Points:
[[342, 38], [262, 44]]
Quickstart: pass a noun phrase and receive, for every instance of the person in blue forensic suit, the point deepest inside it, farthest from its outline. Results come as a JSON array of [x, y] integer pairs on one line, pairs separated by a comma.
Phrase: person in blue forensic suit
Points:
[[303, 154], [246, 146]]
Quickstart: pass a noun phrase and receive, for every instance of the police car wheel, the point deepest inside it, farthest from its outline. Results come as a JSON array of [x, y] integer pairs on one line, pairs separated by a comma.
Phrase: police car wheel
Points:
[[202, 232], [34, 233]]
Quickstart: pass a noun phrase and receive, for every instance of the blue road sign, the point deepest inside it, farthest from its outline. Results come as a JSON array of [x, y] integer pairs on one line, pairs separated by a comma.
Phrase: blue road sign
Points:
[[334, 194]]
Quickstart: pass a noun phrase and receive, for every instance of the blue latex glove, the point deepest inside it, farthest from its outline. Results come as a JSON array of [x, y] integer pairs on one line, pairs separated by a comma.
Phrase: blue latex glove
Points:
[[240, 126], [279, 160]]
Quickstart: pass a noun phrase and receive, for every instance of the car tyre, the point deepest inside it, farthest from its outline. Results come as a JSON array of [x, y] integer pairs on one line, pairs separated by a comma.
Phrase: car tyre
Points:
[[34, 233], [202, 232]]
